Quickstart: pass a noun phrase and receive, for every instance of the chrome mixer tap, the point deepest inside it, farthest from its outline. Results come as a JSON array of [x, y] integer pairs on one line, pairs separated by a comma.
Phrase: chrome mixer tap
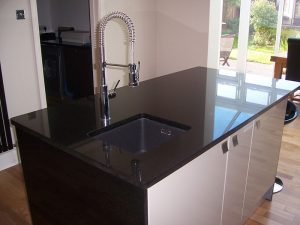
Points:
[[132, 67]]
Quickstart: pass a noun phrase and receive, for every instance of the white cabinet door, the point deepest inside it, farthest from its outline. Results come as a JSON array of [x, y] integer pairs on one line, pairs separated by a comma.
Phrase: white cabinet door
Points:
[[236, 176], [266, 143], [192, 195]]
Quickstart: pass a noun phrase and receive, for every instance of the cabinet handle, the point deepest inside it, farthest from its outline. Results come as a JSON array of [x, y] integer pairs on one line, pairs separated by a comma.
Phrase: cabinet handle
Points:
[[257, 124], [235, 140], [225, 147]]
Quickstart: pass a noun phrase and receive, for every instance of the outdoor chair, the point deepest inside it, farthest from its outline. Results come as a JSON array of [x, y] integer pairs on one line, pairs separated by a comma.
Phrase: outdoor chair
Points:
[[226, 47]]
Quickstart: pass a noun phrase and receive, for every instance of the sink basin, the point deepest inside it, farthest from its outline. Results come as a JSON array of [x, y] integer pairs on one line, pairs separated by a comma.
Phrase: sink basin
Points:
[[140, 133]]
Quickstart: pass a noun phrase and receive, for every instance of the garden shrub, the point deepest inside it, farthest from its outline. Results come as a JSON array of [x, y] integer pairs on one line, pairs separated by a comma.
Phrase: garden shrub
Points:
[[233, 25], [285, 34], [263, 19]]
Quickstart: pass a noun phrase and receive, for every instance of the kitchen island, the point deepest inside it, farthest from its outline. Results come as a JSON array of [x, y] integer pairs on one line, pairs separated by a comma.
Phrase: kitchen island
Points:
[[216, 171]]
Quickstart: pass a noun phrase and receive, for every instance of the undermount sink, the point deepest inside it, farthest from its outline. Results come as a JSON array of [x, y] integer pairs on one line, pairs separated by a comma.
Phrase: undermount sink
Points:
[[140, 133]]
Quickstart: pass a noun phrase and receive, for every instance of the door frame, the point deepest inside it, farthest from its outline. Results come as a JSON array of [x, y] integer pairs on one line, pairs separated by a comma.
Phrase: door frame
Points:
[[214, 33], [38, 54]]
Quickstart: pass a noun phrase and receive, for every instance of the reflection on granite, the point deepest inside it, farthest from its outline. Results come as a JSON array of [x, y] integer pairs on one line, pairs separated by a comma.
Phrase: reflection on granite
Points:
[[213, 103]]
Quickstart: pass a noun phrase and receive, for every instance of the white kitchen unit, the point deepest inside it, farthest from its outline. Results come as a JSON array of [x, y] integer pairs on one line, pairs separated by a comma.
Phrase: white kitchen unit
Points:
[[193, 194], [219, 186], [264, 157], [236, 175]]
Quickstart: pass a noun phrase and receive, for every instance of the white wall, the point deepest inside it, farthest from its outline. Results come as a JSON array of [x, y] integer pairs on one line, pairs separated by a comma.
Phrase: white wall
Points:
[[171, 35], [18, 63], [17, 58], [143, 15], [182, 34], [44, 15], [69, 13]]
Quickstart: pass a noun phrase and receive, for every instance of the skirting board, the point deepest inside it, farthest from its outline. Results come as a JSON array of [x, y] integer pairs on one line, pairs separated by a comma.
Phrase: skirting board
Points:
[[8, 159]]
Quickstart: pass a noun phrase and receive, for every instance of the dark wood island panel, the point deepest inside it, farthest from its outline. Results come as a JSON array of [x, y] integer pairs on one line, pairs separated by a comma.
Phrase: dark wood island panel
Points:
[[63, 190]]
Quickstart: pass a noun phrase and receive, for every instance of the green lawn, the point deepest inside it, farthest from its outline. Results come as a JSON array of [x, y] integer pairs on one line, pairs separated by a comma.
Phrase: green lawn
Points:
[[260, 55]]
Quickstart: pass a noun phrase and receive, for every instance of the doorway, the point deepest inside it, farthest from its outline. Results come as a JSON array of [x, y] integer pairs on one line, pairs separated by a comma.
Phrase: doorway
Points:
[[65, 42]]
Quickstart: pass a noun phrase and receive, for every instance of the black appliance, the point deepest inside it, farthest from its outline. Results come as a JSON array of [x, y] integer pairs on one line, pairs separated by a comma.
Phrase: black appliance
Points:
[[5, 135], [68, 71]]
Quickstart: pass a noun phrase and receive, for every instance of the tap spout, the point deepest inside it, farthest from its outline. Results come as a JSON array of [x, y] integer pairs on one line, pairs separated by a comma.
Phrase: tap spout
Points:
[[131, 31]]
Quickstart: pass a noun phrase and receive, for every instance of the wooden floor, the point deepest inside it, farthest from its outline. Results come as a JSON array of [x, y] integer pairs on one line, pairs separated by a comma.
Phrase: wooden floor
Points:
[[285, 206], [13, 200], [283, 210]]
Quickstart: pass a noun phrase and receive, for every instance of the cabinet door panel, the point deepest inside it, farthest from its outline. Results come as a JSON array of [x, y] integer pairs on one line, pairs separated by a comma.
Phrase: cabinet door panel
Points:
[[236, 176], [192, 195], [266, 143]]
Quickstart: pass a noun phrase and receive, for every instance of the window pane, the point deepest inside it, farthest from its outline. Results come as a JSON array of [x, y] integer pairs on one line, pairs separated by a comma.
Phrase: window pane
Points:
[[230, 32], [290, 23], [262, 36]]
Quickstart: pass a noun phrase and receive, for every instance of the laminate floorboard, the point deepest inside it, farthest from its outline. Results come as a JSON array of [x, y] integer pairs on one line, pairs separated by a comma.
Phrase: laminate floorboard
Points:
[[284, 209]]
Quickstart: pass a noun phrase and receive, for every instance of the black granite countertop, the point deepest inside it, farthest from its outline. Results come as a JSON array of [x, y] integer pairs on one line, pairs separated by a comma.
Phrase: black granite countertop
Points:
[[213, 103]]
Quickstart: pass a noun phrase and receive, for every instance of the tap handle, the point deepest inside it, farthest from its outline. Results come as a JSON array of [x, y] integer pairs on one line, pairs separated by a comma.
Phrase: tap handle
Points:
[[138, 70], [113, 92], [134, 74], [115, 88]]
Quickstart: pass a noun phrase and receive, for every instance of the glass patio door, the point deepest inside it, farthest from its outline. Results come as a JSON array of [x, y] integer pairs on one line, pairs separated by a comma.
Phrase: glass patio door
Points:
[[290, 24], [256, 27], [230, 34]]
